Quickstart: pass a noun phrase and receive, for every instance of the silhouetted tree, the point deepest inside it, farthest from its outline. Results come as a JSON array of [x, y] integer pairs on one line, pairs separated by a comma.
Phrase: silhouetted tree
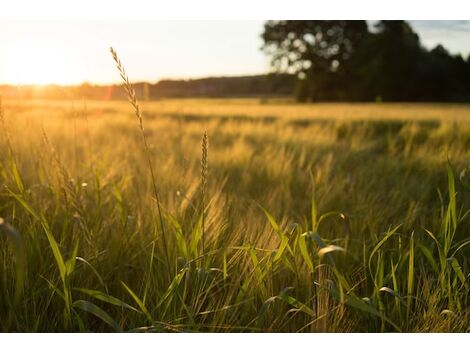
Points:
[[317, 51], [395, 58], [343, 60]]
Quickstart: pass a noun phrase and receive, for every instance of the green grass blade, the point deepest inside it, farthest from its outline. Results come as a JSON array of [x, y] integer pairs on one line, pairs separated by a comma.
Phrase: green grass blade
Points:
[[107, 298], [141, 305], [89, 307]]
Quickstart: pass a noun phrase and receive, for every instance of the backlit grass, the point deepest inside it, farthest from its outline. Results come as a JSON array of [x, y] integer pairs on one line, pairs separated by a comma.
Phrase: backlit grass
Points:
[[328, 217]]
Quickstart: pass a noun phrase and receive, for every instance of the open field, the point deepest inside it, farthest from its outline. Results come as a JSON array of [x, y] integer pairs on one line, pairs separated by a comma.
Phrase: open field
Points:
[[319, 217]]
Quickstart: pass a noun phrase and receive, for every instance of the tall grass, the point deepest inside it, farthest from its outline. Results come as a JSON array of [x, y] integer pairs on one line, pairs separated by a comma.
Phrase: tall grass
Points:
[[204, 152], [381, 245], [132, 99]]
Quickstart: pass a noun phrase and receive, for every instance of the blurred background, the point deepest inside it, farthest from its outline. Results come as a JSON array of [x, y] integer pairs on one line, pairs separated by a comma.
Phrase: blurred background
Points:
[[306, 60]]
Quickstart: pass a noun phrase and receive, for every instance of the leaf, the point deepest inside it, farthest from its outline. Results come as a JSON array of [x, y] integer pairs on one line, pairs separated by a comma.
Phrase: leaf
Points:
[[314, 214], [462, 245], [106, 298], [304, 251], [173, 285], [389, 291], [297, 304], [429, 256], [410, 282], [180, 240], [439, 248], [380, 244], [360, 304], [52, 242], [98, 312], [225, 265], [457, 269], [282, 247], [328, 215], [56, 252], [17, 177], [196, 236], [330, 248], [70, 263], [273, 222], [452, 195], [94, 271], [139, 303]]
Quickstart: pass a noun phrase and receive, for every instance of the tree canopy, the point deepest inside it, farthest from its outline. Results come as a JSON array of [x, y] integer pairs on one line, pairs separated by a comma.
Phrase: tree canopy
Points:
[[347, 60]]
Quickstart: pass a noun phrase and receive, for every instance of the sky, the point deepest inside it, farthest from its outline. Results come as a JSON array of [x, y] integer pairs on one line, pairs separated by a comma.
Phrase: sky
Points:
[[74, 52]]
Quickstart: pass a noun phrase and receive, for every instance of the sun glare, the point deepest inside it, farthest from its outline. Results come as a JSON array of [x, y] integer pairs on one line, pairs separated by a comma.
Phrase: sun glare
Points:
[[42, 63]]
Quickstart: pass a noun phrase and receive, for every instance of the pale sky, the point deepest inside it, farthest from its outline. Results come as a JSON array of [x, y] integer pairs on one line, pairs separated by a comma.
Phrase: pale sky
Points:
[[74, 52]]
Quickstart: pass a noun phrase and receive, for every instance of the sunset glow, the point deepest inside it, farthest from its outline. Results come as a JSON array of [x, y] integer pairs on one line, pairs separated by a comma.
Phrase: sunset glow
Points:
[[72, 52], [42, 62]]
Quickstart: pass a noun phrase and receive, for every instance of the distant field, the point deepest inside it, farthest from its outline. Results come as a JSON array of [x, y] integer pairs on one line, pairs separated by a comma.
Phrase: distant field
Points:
[[282, 109], [389, 255]]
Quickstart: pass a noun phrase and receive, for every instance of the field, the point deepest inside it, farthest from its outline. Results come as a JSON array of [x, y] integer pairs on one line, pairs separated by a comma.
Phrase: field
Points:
[[292, 218]]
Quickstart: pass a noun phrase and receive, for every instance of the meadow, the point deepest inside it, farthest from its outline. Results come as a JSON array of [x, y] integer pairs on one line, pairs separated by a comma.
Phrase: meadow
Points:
[[282, 218]]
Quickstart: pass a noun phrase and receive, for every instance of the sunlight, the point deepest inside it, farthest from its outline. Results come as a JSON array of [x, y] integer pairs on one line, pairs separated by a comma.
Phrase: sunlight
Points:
[[43, 63]]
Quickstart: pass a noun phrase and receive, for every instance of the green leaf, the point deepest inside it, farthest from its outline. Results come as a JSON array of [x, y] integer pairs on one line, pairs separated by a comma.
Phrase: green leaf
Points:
[[180, 240], [17, 177], [452, 195], [196, 236], [173, 285], [139, 303], [225, 265], [297, 304], [380, 244], [314, 211], [106, 298], [410, 282], [430, 257], [70, 263], [98, 312], [457, 269], [282, 247], [357, 303], [52, 242], [304, 251], [273, 222]]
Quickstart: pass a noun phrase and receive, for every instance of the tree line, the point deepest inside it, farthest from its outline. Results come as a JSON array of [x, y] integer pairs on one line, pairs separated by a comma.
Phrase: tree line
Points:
[[348, 61], [315, 61], [268, 85]]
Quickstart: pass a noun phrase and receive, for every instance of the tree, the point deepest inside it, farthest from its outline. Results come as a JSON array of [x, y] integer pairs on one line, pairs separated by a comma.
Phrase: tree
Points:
[[395, 59], [343, 60], [317, 51]]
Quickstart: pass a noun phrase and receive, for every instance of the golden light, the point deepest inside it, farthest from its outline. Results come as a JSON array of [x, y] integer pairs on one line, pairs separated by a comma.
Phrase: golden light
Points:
[[42, 62]]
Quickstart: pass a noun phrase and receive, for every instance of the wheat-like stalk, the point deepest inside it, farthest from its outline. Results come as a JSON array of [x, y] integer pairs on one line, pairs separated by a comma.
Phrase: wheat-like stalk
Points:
[[129, 91], [138, 113], [204, 151]]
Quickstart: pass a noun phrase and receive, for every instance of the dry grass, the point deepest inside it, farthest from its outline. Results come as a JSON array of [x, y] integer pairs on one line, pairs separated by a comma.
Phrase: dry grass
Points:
[[232, 267]]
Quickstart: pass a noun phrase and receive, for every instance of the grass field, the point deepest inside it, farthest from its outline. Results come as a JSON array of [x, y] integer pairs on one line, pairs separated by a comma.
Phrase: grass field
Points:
[[311, 218]]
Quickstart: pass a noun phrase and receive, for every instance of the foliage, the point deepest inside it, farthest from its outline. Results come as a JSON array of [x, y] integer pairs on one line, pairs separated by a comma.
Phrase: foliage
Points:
[[344, 61]]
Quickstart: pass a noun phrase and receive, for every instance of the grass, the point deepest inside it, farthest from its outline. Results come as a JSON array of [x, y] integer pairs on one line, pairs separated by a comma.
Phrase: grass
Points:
[[328, 217]]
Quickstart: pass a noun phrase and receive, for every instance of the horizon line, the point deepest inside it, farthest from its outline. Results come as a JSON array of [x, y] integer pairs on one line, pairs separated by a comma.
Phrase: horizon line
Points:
[[137, 81]]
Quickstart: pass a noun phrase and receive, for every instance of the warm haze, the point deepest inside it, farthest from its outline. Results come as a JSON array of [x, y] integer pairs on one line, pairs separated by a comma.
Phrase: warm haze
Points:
[[331, 198], [59, 52]]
